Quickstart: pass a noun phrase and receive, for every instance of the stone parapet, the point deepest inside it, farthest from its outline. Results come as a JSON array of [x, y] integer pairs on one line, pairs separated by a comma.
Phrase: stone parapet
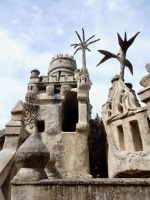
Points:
[[82, 189], [144, 94], [62, 61]]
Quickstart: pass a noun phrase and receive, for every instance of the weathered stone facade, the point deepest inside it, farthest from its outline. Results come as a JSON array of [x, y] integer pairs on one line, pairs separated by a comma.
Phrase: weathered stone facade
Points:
[[52, 149]]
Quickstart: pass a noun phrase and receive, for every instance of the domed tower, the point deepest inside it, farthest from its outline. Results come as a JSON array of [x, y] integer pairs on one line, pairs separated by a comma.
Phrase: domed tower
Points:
[[61, 68], [55, 104]]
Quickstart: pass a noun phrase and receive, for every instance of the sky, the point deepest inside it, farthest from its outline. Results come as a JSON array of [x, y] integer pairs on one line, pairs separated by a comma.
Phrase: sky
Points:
[[32, 32]]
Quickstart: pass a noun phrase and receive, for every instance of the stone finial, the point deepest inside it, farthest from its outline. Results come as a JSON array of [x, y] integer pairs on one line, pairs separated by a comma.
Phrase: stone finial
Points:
[[35, 73], [145, 81], [32, 157]]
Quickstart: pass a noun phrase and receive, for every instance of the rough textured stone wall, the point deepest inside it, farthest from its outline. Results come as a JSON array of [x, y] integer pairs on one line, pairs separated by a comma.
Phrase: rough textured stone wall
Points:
[[95, 189]]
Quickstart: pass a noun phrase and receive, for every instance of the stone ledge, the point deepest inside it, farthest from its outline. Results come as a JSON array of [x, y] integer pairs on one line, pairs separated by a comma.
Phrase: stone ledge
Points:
[[98, 181]]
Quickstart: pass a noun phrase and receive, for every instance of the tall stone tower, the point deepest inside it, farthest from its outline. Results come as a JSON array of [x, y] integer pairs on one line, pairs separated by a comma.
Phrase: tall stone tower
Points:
[[57, 108]]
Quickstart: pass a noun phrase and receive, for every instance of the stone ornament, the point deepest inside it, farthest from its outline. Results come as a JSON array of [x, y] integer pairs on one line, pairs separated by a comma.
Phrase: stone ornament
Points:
[[121, 56], [32, 157], [30, 96], [83, 45], [31, 114], [145, 81]]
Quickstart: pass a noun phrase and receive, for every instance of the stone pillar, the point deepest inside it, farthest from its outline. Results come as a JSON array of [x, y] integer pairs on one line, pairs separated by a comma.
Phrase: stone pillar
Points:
[[83, 88], [50, 90], [145, 93], [145, 98], [64, 89]]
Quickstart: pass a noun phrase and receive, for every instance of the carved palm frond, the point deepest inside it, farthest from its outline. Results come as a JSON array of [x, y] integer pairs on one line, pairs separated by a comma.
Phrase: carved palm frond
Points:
[[107, 56], [121, 56], [83, 44], [126, 44], [129, 65]]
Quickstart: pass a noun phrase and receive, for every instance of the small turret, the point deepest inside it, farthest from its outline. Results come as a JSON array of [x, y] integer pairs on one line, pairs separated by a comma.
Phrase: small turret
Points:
[[34, 73], [61, 68]]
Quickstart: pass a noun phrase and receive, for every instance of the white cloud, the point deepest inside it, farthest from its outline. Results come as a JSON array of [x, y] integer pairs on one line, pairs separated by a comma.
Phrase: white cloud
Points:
[[89, 2], [59, 31]]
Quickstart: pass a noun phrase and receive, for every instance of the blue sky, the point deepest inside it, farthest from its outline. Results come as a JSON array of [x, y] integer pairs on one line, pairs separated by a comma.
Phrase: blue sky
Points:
[[32, 32]]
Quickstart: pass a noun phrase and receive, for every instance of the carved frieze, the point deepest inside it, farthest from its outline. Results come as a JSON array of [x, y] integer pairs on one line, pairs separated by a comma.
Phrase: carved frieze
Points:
[[122, 101], [30, 96], [31, 114]]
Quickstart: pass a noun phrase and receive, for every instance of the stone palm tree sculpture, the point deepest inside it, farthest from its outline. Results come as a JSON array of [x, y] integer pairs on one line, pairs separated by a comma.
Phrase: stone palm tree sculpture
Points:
[[121, 56], [83, 45]]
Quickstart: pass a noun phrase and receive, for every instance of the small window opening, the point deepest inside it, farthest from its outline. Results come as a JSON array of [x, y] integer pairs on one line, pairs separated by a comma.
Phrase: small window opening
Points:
[[40, 126], [121, 138], [31, 87], [137, 141], [59, 73], [41, 88], [56, 90], [28, 87]]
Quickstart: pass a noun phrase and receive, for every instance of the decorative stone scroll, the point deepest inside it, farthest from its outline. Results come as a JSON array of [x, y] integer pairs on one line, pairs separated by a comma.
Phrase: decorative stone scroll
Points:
[[31, 114], [82, 74], [30, 96]]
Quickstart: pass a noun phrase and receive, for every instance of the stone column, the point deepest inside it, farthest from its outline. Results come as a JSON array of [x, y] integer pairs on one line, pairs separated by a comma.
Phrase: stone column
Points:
[[83, 88]]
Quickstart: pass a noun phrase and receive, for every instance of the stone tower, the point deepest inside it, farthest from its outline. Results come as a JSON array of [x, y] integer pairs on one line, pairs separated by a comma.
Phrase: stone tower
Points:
[[57, 109]]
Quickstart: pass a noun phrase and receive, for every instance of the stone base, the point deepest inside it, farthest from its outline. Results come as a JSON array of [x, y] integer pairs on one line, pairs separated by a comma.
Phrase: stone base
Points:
[[87, 189]]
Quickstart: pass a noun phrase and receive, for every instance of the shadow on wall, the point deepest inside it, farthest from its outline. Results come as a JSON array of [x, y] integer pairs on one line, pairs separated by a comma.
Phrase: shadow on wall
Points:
[[98, 149], [70, 112]]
